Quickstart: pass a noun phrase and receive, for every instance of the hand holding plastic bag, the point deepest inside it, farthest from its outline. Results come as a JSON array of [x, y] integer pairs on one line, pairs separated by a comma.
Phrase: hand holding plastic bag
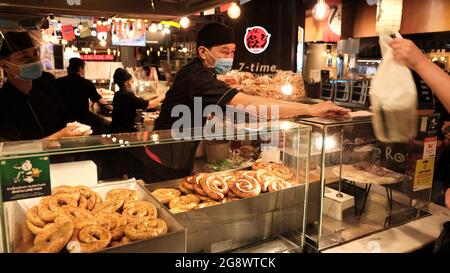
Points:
[[394, 98]]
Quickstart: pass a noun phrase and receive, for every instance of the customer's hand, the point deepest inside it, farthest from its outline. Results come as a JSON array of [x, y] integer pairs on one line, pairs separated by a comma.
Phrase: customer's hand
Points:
[[407, 53], [69, 131], [328, 109], [447, 198]]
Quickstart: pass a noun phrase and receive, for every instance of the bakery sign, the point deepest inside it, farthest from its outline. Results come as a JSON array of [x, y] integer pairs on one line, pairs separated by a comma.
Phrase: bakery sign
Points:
[[256, 39], [25, 178]]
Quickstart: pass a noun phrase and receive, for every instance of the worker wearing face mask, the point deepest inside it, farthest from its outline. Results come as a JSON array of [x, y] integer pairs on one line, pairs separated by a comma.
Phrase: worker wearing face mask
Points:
[[216, 47], [29, 104], [195, 82]]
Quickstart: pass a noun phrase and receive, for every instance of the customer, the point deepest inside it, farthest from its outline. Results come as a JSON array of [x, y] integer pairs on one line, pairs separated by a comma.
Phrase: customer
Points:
[[75, 92], [29, 104], [126, 103], [406, 52]]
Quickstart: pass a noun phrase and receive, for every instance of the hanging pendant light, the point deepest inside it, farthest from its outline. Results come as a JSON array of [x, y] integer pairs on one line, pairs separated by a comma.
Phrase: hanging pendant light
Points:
[[234, 11], [185, 22], [321, 10]]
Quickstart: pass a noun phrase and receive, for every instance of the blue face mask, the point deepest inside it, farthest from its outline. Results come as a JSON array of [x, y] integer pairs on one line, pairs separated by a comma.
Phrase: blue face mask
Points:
[[222, 65], [31, 71]]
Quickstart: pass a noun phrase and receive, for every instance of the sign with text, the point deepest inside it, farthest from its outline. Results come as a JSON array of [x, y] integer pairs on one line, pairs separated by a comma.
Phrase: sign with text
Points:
[[25, 178], [423, 177], [430, 147], [102, 57]]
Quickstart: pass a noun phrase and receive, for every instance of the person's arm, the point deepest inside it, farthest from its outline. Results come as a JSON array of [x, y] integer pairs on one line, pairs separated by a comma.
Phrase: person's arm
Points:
[[104, 104], [406, 52], [68, 131], [289, 109], [155, 102]]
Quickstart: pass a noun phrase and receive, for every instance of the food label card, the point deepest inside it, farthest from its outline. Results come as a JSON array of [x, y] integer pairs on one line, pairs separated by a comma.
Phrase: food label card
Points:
[[423, 177], [25, 178]]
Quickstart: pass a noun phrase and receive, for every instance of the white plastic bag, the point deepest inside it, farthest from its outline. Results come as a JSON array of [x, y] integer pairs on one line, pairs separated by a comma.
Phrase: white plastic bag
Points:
[[394, 98]]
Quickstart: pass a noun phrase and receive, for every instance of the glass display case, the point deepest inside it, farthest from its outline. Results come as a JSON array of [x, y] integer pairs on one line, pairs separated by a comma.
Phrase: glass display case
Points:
[[358, 185], [55, 186]]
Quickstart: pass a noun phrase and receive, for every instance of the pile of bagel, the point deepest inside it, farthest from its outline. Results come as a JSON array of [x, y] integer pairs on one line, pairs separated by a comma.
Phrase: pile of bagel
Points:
[[205, 190], [77, 219]]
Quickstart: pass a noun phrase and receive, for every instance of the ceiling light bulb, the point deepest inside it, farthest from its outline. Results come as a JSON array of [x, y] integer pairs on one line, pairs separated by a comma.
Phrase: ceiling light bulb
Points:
[[185, 22], [234, 11], [321, 10]]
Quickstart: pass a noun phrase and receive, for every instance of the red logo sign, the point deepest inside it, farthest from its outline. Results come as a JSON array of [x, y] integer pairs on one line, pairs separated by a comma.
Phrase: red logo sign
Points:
[[256, 39]]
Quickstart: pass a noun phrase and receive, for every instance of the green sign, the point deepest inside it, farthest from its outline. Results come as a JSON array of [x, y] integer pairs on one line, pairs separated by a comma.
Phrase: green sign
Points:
[[25, 178]]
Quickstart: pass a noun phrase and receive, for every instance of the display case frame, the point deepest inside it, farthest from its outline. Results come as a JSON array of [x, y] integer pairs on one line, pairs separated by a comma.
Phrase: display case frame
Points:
[[285, 215], [343, 207]]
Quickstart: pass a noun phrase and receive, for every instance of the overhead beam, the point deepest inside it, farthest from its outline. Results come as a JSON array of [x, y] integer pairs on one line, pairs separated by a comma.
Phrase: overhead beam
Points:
[[195, 6], [100, 7]]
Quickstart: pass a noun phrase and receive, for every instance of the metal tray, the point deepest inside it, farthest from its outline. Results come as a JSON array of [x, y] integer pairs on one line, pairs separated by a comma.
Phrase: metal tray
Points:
[[21, 240], [229, 226]]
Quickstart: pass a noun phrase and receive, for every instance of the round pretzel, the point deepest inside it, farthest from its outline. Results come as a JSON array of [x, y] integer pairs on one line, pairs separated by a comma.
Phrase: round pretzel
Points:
[[44, 212], [109, 206], [101, 220], [59, 200], [139, 209], [145, 229], [89, 239], [33, 217], [53, 237], [72, 214], [33, 228], [246, 187], [186, 202], [165, 195], [65, 189], [122, 194], [92, 198], [214, 187]]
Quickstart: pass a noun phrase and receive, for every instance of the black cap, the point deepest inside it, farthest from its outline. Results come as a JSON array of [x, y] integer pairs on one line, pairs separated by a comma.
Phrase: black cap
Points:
[[121, 76], [15, 41], [75, 64], [214, 34]]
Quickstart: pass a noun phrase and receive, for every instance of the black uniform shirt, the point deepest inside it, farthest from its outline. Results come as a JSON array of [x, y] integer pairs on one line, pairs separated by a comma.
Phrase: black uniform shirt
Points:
[[125, 104], [75, 92], [193, 80], [33, 116]]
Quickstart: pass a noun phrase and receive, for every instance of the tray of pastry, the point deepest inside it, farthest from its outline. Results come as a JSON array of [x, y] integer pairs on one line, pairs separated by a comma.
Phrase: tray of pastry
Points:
[[368, 173], [109, 217], [206, 199]]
